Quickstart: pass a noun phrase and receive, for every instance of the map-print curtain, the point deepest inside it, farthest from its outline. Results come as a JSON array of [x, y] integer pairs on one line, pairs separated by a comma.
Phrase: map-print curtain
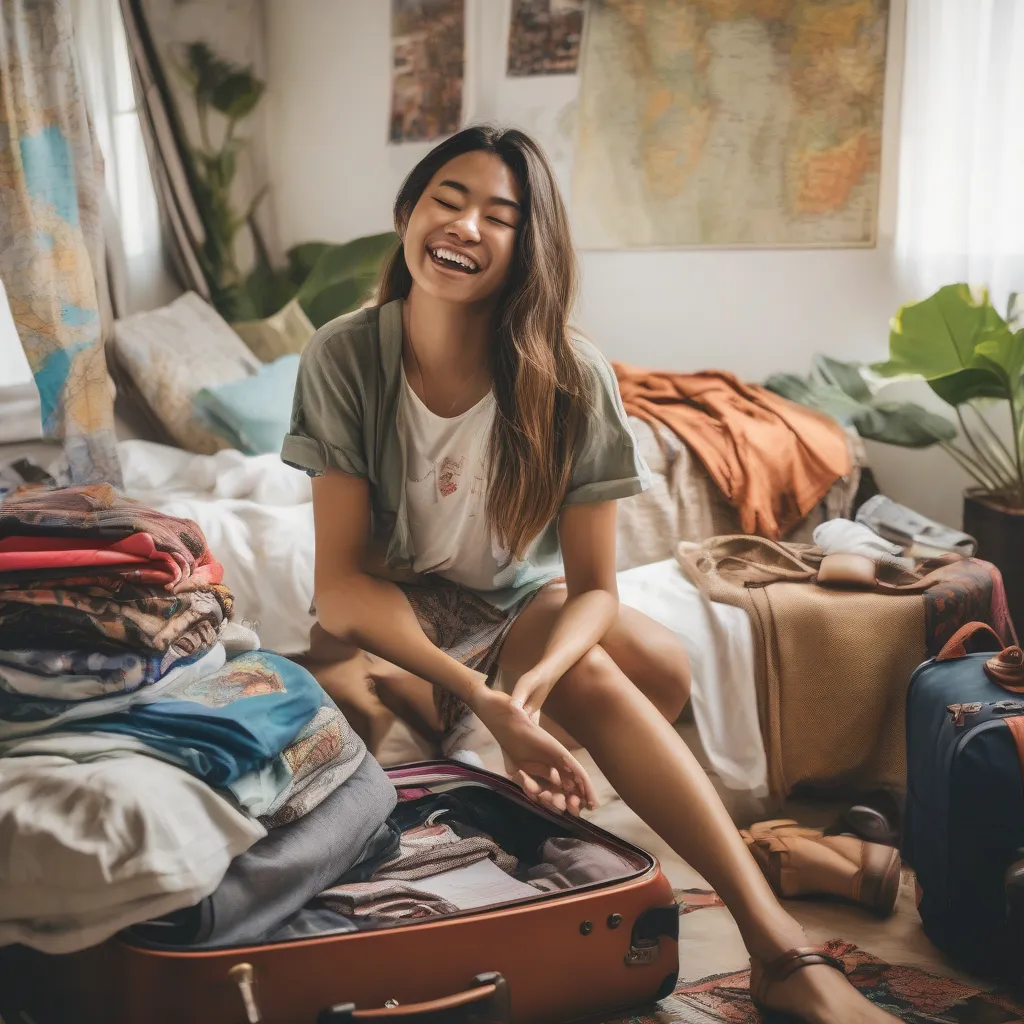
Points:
[[50, 237]]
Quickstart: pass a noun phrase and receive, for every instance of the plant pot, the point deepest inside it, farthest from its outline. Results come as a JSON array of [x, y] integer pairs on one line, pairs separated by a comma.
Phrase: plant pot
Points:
[[999, 532]]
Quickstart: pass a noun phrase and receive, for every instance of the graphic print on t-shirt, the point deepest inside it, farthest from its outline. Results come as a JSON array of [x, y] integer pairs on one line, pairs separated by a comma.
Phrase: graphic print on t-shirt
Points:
[[448, 476]]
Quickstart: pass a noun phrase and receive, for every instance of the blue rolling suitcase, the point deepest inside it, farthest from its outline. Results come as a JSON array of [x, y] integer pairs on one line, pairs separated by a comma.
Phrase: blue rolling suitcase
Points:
[[964, 827]]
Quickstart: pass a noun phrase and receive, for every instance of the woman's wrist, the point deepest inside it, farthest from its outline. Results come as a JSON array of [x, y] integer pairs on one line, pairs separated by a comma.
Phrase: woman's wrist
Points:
[[481, 697], [470, 687]]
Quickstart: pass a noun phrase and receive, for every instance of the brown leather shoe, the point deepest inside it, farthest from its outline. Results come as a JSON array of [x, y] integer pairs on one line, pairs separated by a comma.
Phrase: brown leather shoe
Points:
[[801, 861]]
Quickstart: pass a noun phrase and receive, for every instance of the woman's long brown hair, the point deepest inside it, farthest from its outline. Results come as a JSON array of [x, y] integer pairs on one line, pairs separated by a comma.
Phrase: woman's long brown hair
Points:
[[542, 388]]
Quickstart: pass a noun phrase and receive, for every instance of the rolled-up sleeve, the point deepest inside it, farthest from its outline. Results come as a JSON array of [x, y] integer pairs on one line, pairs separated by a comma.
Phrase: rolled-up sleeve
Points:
[[607, 465], [326, 423]]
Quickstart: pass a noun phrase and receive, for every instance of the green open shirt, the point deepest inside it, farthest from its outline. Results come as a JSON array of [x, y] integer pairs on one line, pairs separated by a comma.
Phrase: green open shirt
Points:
[[347, 414]]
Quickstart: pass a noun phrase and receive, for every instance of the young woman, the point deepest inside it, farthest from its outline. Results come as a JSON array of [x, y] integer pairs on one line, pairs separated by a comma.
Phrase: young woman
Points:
[[468, 451]]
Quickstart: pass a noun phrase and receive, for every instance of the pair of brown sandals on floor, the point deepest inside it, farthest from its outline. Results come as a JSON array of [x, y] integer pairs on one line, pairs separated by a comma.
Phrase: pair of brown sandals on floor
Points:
[[856, 860]]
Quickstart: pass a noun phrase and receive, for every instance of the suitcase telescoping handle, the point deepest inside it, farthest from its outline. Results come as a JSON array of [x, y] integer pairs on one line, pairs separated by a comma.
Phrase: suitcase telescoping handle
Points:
[[1005, 668], [486, 1001]]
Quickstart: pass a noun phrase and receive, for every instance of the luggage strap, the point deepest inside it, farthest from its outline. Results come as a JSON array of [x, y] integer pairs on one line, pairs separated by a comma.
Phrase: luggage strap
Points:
[[955, 646], [1006, 669], [1016, 727]]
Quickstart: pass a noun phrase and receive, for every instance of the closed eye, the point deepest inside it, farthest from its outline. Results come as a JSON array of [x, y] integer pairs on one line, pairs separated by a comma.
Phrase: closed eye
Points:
[[447, 206], [504, 223]]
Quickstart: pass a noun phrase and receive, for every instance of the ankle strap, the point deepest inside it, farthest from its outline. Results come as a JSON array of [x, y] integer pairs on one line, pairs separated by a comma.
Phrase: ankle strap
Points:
[[789, 963]]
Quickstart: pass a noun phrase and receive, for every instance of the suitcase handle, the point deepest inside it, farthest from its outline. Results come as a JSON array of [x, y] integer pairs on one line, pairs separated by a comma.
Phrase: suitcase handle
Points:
[[486, 1001], [955, 645]]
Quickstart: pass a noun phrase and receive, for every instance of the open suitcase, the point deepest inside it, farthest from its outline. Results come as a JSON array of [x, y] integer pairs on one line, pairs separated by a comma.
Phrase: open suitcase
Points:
[[555, 957]]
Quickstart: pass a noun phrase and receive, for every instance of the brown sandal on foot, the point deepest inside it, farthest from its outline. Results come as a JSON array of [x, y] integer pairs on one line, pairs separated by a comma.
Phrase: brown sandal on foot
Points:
[[780, 969]]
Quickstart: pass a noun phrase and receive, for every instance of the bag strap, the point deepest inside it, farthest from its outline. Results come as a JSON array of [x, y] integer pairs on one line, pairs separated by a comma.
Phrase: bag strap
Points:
[[1016, 726], [954, 646]]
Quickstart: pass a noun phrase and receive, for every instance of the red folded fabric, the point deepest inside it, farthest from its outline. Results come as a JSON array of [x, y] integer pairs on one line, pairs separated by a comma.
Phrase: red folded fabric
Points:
[[50, 525], [136, 558]]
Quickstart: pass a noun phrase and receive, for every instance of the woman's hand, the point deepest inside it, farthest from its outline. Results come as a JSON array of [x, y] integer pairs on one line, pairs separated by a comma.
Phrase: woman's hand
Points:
[[548, 773], [532, 689]]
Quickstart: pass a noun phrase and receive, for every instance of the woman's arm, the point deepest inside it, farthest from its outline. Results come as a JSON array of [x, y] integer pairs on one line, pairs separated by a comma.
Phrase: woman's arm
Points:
[[373, 614], [587, 535], [363, 610]]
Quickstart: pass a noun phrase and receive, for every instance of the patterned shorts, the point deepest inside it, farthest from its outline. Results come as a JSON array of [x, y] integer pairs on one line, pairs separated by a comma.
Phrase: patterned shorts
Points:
[[465, 627]]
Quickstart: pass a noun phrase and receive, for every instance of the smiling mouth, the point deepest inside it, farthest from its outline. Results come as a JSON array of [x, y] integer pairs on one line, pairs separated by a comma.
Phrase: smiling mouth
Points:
[[452, 260]]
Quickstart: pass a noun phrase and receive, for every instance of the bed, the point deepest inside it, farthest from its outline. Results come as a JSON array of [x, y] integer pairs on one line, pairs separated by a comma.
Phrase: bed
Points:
[[257, 515]]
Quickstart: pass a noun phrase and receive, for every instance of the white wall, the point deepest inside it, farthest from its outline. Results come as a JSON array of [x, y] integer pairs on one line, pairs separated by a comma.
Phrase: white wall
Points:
[[753, 312]]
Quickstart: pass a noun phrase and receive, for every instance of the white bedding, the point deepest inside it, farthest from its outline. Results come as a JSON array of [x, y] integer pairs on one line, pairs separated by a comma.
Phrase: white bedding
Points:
[[257, 515]]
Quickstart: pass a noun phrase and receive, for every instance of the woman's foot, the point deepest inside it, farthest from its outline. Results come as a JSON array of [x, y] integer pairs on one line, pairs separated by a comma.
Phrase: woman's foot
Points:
[[815, 994]]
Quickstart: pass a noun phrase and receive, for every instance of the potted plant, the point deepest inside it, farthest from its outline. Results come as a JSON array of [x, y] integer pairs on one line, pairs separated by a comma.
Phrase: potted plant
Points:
[[274, 309], [972, 357]]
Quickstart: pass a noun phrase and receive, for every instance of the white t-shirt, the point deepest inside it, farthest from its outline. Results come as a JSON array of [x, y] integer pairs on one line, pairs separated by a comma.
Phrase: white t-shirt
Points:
[[446, 491]]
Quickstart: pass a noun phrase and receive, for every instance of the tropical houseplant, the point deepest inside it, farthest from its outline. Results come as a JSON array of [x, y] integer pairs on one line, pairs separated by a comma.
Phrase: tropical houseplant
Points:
[[320, 280], [972, 357]]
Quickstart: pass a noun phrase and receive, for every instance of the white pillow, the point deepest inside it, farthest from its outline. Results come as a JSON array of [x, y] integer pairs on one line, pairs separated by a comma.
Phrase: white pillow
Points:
[[173, 352]]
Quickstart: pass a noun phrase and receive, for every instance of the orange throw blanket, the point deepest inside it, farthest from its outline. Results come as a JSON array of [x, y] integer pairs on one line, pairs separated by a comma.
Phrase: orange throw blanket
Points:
[[773, 460]]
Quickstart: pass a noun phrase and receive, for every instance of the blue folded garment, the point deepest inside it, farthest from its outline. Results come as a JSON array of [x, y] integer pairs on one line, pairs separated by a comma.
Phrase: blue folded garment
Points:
[[227, 723], [252, 414]]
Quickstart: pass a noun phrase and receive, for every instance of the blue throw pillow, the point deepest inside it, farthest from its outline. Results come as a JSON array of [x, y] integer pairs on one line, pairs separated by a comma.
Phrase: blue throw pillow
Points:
[[252, 414]]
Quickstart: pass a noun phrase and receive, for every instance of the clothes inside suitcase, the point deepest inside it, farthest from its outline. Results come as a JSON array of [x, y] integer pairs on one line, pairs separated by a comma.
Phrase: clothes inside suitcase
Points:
[[594, 931]]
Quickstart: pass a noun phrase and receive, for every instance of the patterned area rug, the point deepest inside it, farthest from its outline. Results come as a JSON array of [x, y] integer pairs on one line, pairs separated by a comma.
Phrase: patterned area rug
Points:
[[913, 995]]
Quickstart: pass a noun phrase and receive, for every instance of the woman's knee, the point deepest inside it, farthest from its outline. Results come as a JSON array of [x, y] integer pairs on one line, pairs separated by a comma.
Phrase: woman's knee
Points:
[[594, 685], [655, 660], [406, 695], [668, 673]]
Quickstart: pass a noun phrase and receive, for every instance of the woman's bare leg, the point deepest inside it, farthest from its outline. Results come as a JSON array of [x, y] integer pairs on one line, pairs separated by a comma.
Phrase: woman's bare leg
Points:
[[654, 772], [648, 654], [344, 672], [408, 696]]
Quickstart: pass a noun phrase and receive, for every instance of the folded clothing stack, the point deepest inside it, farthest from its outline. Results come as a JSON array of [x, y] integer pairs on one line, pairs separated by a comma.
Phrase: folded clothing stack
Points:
[[117, 661]]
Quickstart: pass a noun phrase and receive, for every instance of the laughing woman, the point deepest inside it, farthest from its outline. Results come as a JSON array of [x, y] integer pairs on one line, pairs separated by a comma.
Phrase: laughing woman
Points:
[[468, 451]]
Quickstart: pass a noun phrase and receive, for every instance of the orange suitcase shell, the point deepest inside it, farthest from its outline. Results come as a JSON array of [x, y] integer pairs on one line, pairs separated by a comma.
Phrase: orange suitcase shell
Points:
[[558, 957]]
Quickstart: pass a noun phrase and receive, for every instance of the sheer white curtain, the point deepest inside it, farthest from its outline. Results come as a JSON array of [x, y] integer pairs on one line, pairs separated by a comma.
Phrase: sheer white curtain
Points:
[[140, 271], [961, 190]]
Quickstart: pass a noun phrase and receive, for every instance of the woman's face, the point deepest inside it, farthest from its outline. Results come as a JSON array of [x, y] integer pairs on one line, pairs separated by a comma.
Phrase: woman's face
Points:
[[462, 233]]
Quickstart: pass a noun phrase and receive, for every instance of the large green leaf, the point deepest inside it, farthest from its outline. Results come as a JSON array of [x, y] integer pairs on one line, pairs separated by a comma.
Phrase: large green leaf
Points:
[[302, 259], [908, 425], [967, 385], [265, 292], [338, 297], [825, 398], [899, 423], [938, 338], [343, 276], [328, 280], [846, 376], [1003, 352]]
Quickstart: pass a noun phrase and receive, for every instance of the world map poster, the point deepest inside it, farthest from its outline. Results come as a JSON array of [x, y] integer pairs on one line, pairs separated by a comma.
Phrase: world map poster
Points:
[[746, 123]]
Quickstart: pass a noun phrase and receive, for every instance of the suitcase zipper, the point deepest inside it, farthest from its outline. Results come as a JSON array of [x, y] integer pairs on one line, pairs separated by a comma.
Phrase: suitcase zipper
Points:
[[989, 715]]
